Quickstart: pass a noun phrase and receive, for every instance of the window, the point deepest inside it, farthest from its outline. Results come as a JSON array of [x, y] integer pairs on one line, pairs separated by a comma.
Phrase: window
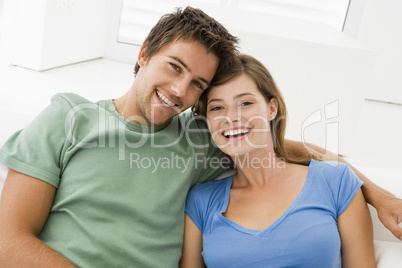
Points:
[[138, 16]]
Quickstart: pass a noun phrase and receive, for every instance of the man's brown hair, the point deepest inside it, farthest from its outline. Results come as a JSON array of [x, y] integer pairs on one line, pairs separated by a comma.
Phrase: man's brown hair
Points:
[[193, 24]]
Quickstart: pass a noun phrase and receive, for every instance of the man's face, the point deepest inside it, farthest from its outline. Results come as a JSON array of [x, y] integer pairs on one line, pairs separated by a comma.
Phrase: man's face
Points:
[[171, 81]]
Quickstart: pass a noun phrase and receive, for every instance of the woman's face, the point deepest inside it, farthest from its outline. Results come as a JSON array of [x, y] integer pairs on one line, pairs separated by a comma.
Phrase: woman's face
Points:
[[238, 117]]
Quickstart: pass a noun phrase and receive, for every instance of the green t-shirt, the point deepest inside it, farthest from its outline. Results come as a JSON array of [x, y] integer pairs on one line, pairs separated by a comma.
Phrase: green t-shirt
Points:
[[121, 187]]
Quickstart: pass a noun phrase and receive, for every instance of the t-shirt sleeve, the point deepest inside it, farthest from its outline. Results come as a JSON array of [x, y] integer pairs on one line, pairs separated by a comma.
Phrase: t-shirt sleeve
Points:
[[36, 150], [194, 206], [348, 187]]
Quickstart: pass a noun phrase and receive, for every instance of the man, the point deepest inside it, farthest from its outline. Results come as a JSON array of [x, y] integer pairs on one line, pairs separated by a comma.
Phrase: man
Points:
[[104, 184]]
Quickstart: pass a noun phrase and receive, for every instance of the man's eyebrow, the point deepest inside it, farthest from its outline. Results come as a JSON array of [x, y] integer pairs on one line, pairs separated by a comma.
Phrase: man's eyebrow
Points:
[[181, 62], [188, 69], [235, 97]]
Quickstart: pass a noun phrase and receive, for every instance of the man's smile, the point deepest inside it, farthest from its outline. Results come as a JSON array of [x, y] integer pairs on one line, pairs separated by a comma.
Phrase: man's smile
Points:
[[165, 100]]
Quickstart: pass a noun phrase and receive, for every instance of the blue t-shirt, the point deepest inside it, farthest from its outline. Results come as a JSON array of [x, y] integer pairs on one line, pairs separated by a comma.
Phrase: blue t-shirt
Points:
[[306, 235]]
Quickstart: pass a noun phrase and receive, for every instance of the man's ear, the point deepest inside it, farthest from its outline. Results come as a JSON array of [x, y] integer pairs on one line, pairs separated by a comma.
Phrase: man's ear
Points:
[[142, 55]]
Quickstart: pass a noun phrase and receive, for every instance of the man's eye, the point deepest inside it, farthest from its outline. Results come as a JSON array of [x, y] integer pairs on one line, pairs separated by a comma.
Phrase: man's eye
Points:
[[174, 66], [198, 84]]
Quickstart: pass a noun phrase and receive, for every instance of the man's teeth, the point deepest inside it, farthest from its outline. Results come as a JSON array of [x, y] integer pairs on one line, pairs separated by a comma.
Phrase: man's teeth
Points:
[[165, 99], [235, 132]]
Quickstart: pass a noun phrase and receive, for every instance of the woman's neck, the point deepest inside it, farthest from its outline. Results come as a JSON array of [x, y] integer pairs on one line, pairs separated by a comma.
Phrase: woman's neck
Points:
[[258, 168]]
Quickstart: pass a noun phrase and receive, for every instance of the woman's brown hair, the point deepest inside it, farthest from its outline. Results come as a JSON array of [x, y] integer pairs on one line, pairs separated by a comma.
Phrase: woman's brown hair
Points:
[[265, 83]]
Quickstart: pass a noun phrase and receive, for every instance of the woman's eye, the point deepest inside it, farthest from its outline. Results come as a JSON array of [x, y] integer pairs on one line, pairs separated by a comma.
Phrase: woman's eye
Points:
[[246, 103], [174, 66], [217, 108]]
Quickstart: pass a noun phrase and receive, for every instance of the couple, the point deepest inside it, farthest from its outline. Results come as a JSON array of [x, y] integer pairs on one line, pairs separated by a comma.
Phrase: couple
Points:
[[72, 196]]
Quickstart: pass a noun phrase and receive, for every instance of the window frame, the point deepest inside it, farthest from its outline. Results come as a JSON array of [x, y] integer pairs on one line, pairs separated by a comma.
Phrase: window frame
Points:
[[127, 53]]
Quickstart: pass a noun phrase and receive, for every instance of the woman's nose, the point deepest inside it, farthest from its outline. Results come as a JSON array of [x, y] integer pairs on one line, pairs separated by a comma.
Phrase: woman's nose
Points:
[[233, 114]]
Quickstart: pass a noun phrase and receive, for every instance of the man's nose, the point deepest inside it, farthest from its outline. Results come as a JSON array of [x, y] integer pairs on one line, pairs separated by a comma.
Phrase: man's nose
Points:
[[180, 87]]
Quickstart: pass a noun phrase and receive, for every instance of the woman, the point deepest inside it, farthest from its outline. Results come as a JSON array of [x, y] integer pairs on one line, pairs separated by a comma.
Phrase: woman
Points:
[[276, 211]]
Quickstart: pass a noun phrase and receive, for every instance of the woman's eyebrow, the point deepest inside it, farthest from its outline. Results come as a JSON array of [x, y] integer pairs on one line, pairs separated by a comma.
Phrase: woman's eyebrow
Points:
[[213, 100], [235, 97], [243, 94]]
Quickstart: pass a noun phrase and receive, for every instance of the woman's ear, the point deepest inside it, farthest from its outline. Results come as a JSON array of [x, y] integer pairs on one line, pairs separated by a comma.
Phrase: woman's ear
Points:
[[142, 55], [273, 108]]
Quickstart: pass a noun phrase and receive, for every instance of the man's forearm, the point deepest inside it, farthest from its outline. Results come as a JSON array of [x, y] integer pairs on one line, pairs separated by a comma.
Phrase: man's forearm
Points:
[[20, 250], [372, 192]]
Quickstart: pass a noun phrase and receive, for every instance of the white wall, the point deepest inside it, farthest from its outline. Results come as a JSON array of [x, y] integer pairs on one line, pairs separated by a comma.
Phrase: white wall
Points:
[[1, 7], [7, 17], [380, 27], [50, 33]]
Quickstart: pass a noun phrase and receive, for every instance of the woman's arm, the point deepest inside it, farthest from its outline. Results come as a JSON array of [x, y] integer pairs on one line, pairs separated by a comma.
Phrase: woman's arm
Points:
[[356, 231], [389, 208], [192, 246]]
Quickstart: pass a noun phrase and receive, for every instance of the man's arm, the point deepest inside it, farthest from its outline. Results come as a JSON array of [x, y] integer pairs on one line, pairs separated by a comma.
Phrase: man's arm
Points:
[[389, 208], [24, 207]]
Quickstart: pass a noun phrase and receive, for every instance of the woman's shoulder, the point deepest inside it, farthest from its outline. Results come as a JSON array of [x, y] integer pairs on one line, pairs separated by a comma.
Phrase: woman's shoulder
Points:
[[206, 198], [331, 168], [212, 186], [210, 191], [334, 174]]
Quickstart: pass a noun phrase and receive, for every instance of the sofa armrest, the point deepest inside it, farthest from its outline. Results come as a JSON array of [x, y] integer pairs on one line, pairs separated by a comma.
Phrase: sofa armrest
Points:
[[388, 254]]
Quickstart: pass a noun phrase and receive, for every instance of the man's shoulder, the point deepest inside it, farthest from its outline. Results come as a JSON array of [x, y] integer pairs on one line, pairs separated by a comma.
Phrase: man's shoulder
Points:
[[70, 99], [194, 120], [73, 106], [194, 127]]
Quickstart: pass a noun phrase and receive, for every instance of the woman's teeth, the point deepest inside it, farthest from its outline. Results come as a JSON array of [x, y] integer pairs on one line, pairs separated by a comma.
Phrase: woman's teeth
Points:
[[235, 132], [164, 99]]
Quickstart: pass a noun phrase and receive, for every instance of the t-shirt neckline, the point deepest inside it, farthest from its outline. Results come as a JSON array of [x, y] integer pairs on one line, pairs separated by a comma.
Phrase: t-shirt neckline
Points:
[[129, 124], [270, 228]]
